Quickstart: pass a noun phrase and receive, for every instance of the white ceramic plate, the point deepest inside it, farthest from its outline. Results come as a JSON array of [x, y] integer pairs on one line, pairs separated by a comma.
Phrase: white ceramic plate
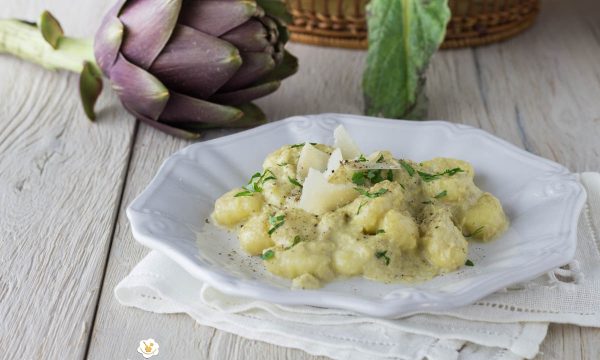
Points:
[[542, 199]]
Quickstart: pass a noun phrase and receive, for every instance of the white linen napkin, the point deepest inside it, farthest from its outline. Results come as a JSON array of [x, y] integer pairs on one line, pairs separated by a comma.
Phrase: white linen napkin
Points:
[[509, 324]]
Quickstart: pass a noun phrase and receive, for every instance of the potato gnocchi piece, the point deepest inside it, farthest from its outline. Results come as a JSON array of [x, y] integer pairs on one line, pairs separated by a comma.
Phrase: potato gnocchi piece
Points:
[[231, 210], [254, 237], [305, 258], [485, 219], [443, 243], [277, 192], [400, 229], [370, 211], [298, 225], [349, 260], [306, 281], [283, 157]]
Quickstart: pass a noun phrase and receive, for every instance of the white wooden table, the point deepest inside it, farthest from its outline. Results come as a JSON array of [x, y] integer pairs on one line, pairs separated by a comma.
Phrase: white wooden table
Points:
[[64, 183]]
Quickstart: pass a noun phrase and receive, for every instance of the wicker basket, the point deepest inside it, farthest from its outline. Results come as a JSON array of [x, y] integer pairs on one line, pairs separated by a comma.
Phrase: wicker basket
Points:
[[342, 23]]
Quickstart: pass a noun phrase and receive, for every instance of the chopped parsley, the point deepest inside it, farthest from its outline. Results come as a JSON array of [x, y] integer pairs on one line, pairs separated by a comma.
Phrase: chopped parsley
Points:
[[477, 231], [380, 159], [361, 205], [359, 178], [441, 194], [390, 176], [427, 177], [295, 182], [469, 263], [267, 255], [430, 177], [373, 195], [383, 255], [256, 183], [300, 145], [409, 169], [361, 158], [295, 242], [380, 231], [374, 176], [276, 222]]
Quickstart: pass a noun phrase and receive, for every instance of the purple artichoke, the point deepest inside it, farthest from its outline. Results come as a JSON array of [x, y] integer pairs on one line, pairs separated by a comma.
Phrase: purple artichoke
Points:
[[187, 65]]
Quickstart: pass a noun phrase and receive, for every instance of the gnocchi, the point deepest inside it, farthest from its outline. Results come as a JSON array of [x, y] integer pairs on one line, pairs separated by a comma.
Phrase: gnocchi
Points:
[[316, 213]]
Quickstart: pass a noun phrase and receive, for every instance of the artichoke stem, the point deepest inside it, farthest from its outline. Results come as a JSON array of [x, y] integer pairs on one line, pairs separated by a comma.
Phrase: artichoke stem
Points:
[[25, 41]]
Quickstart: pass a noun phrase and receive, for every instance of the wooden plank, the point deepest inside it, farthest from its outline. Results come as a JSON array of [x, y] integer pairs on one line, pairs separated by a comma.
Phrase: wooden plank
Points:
[[531, 91], [118, 329], [60, 182]]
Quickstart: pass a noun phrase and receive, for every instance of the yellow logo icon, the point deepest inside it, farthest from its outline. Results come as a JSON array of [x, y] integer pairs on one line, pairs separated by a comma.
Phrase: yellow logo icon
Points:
[[148, 348]]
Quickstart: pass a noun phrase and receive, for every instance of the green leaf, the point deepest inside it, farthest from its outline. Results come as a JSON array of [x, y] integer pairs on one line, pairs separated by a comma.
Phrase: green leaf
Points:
[[373, 195], [90, 87], [256, 183], [267, 255], [431, 177], [359, 178], [51, 29], [469, 263], [409, 169], [276, 9], [441, 194], [383, 255], [476, 232], [403, 35], [295, 182], [276, 222], [361, 206], [296, 241], [390, 176]]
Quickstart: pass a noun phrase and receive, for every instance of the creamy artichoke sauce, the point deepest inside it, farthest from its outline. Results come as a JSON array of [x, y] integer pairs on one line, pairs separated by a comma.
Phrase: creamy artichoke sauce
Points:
[[315, 213]]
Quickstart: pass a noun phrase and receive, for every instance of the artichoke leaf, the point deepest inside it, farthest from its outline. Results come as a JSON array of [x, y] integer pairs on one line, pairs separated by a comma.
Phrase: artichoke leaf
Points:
[[149, 24], [51, 30], [217, 17], [181, 133], [250, 36], [246, 95], [199, 70], [90, 87], [255, 66], [140, 92], [108, 42], [287, 68], [252, 116], [403, 35], [186, 109]]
